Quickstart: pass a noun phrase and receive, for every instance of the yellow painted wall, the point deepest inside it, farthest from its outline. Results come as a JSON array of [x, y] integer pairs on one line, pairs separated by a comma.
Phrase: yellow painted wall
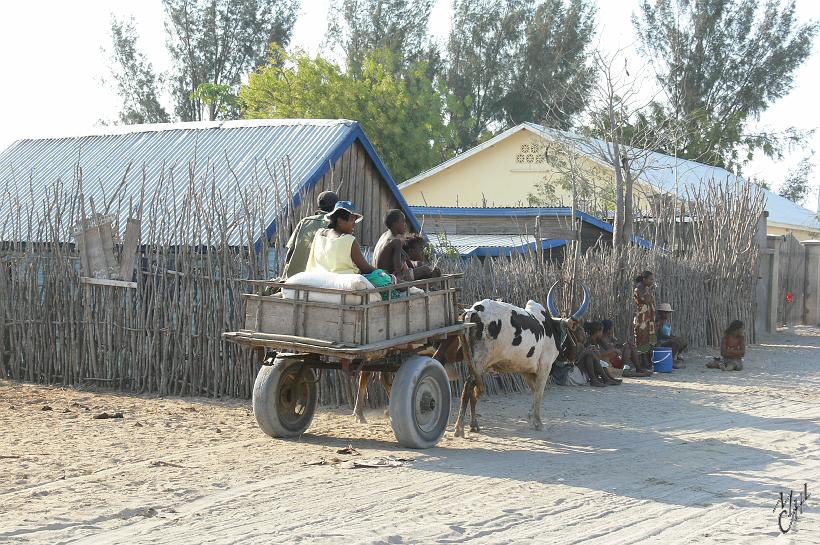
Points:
[[799, 234], [496, 176]]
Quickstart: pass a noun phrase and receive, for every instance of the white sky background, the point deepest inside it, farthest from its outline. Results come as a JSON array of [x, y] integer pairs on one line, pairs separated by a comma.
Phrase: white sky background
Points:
[[53, 67]]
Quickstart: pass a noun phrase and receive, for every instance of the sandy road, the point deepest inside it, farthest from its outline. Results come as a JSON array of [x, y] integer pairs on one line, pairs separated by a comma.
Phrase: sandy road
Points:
[[695, 456]]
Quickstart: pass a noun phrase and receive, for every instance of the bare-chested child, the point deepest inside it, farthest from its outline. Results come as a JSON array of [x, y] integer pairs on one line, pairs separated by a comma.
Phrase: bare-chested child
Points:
[[590, 357], [389, 254]]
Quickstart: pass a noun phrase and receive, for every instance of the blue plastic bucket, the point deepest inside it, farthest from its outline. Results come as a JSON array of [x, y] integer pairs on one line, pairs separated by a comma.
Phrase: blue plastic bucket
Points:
[[662, 360]]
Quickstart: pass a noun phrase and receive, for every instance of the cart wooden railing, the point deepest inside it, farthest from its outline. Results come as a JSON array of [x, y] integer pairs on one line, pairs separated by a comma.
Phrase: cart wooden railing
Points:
[[352, 322]]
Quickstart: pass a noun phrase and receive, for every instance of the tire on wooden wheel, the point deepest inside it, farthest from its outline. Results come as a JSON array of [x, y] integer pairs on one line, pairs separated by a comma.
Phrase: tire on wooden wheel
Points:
[[285, 398], [420, 402]]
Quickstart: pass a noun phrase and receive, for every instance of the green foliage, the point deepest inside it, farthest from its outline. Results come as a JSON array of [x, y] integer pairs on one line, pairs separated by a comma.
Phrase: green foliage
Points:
[[510, 61], [137, 84], [402, 115], [568, 166], [762, 183], [213, 44], [721, 63], [218, 42], [220, 97], [796, 187], [481, 50], [551, 75], [543, 193], [444, 248], [399, 26]]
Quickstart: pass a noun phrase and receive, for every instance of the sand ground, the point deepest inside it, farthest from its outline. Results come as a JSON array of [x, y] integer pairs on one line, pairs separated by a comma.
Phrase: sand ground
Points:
[[696, 456]]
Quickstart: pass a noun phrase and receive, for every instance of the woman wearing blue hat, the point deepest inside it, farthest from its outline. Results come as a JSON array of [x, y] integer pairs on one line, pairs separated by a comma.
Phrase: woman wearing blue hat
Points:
[[335, 249]]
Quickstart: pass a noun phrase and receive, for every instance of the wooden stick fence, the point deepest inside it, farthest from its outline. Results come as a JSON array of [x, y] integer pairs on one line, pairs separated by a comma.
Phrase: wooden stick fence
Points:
[[199, 244]]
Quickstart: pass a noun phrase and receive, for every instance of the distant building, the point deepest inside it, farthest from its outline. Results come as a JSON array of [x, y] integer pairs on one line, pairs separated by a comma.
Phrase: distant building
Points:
[[495, 232], [505, 170]]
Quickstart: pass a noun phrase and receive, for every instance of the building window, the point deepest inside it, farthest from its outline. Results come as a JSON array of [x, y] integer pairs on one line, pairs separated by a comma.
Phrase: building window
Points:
[[531, 154]]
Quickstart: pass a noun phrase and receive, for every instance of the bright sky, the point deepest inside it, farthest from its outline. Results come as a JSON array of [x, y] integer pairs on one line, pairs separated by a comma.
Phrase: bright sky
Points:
[[54, 68]]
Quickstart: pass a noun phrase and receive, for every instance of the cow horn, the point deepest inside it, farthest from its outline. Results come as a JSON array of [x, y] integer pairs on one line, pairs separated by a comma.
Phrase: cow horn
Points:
[[584, 305], [551, 302]]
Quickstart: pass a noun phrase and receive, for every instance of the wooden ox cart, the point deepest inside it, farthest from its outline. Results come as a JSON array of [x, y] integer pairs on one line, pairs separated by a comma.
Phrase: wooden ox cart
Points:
[[320, 328]]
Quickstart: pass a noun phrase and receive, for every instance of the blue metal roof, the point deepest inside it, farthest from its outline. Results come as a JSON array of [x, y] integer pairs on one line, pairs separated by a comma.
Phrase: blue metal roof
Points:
[[557, 211], [229, 158]]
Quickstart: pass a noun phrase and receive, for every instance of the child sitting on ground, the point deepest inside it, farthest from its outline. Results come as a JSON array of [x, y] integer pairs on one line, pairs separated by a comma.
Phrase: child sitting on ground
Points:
[[591, 356], [732, 349], [625, 355], [665, 337]]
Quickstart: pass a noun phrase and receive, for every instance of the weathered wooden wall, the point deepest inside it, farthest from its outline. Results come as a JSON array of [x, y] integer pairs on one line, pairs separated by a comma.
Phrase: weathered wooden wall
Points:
[[793, 287], [355, 178]]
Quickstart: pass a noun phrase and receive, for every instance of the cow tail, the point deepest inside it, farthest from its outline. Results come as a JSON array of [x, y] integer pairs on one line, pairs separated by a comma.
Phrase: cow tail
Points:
[[472, 339]]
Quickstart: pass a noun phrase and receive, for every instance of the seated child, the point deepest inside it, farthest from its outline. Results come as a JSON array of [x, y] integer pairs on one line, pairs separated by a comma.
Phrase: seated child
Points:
[[625, 355], [416, 259], [667, 339], [389, 253], [590, 357], [732, 349]]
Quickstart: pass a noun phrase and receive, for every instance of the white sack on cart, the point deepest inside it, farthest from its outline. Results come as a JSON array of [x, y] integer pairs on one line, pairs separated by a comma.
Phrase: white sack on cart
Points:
[[346, 282]]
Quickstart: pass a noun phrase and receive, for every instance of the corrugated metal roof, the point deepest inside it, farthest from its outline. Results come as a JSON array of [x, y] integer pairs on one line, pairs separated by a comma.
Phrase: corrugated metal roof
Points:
[[231, 155], [516, 212], [512, 212], [690, 175], [489, 245]]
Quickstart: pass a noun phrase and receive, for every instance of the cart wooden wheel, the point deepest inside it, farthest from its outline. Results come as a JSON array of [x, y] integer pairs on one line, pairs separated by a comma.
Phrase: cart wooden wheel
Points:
[[420, 402], [285, 398]]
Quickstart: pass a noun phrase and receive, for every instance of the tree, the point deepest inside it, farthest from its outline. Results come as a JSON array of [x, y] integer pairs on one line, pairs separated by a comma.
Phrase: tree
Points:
[[621, 130], [219, 98], [137, 84], [484, 39], [572, 171], [511, 61], [402, 115], [213, 44], [551, 75], [721, 63], [218, 42], [361, 26], [796, 186]]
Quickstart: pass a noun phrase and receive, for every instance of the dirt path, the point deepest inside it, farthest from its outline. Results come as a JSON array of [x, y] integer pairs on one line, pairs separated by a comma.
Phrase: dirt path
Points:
[[695, 456]]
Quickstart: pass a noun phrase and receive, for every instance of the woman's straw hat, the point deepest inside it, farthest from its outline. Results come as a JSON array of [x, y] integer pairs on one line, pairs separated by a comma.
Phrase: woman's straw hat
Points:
[[665, 307]]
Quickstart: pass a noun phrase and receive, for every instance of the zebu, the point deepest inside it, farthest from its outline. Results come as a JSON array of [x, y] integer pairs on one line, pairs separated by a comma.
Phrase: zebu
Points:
[[510, 339]]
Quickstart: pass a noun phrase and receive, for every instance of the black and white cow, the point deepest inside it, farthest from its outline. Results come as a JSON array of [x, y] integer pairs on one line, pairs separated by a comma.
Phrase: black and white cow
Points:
[[511, 339]]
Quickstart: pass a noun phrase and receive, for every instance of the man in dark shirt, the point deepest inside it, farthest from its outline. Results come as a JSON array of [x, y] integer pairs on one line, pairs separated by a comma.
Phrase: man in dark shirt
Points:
[[302, 237]]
